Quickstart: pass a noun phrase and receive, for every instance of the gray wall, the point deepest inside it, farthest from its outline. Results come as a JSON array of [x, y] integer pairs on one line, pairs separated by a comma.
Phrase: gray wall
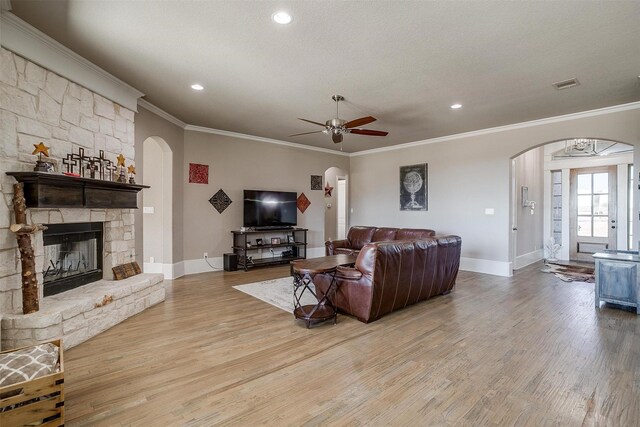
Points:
[[529, 169], [150, 125], [238, 164], [467, 175]]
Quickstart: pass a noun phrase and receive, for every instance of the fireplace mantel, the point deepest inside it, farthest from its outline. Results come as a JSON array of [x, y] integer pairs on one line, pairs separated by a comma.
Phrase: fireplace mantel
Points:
[[51, 190]]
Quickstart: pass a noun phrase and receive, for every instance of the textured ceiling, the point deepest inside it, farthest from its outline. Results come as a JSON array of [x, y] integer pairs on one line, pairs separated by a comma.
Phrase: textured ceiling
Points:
[[402, 62]]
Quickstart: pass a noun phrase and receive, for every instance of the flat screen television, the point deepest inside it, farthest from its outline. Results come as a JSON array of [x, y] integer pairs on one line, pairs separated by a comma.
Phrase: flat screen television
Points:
[[270, 208]]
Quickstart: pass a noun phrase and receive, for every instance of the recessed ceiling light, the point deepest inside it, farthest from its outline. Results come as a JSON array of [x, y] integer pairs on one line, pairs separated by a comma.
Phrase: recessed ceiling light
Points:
[[281, 17], [197, 86], [456, 106]]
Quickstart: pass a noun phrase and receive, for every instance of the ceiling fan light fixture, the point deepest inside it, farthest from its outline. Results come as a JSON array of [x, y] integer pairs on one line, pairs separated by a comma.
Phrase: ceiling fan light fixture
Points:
[[282, 17], [456, 106]]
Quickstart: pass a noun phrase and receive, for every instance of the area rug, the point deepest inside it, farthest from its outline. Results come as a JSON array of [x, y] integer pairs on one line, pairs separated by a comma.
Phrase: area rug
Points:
[[571, 273], [277, 292]]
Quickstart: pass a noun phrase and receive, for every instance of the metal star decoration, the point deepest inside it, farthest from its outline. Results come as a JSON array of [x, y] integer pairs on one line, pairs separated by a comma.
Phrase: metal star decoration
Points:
[[131, 169], [220, 201], [327, 190], [121, 160], [41, 149]]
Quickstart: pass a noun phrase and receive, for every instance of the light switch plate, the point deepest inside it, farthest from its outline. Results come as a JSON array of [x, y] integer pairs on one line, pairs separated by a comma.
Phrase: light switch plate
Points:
[[147, 209], [489, 211]]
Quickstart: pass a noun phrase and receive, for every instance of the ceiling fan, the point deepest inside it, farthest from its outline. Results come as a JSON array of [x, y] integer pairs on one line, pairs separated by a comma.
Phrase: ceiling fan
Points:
[[338, 127]]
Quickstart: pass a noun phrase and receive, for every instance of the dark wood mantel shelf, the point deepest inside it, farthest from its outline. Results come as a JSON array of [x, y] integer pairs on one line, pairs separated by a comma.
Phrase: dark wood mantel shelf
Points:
[[52, 190]]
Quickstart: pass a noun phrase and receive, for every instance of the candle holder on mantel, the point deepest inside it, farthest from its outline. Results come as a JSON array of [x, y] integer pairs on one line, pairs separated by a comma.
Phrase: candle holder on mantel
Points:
[[42, 166]]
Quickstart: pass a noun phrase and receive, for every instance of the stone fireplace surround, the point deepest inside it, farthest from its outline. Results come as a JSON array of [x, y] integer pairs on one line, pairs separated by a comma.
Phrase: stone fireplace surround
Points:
[[37, 105], [81, 313]]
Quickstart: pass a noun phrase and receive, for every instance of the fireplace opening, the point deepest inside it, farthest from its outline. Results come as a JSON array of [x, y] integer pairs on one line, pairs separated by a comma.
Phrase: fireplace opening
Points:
[[72, 256]]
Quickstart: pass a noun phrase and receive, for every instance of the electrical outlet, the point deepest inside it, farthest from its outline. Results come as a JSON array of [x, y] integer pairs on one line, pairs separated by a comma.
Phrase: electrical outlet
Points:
[[206, 255], [151, 259]]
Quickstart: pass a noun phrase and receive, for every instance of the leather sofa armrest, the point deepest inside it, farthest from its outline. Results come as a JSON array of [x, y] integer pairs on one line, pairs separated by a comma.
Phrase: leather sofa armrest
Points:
[[331, 245], [349, 273]]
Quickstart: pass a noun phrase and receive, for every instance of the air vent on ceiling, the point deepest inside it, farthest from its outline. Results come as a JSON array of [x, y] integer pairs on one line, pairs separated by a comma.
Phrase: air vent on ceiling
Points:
[[566, 84]]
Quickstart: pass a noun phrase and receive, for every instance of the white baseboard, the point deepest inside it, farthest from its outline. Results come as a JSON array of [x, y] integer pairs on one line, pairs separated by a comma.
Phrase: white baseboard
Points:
[[528, 259], [170, 271], [497, 268], [195, 266]]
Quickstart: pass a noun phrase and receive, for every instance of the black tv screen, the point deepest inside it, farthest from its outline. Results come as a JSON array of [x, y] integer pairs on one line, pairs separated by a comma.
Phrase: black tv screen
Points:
[[270, 208]]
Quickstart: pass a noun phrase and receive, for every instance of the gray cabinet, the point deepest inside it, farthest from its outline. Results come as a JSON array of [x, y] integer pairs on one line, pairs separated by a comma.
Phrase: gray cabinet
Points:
[[617, 279]]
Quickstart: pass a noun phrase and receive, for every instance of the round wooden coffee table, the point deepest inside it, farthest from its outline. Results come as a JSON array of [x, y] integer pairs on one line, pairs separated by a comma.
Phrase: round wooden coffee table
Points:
[[303, 273]]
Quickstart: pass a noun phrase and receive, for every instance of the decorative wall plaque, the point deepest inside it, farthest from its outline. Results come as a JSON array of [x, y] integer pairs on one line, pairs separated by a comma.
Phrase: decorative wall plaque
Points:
[[303, 202], [220, 201], [198, 174], [316, 182]]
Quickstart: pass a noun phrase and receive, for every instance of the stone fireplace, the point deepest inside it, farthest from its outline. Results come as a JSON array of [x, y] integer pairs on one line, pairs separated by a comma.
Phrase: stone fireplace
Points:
[[38, 105]]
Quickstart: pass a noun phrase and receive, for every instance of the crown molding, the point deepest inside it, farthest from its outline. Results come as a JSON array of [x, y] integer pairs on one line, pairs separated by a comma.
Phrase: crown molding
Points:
[[539, 122], [160, 112], [261, 139], [31, 43]]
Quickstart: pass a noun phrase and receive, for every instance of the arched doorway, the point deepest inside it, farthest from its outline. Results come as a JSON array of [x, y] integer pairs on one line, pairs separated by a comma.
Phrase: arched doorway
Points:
[[336, 213], [575, 193], [157, 235]]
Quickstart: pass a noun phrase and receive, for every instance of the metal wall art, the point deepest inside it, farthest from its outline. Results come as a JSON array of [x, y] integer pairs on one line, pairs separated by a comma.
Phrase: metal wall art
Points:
[[303, 202], [220, 201], [327, 190], [316, 182]]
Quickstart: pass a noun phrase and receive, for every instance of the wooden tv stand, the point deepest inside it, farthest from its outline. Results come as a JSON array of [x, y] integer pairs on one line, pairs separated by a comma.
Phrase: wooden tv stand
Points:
[[250, 254]]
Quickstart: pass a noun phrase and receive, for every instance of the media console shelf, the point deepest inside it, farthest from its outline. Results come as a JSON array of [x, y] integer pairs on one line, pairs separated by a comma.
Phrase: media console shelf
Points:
[[292, 246]]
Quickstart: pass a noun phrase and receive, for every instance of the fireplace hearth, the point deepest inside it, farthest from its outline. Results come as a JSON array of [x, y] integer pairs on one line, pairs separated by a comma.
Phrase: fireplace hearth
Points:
[[72, 256]]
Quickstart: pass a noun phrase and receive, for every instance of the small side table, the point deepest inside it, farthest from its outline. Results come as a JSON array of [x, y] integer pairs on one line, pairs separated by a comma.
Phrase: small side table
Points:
[[618, 279], [303, 272]]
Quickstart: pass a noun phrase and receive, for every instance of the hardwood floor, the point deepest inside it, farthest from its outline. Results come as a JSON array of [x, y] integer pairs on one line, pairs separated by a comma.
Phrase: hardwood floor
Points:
[[527, 350]]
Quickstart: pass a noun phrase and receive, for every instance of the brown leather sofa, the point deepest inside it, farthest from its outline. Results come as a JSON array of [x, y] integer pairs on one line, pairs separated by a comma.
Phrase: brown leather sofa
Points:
[[388, 276], [357, 237]]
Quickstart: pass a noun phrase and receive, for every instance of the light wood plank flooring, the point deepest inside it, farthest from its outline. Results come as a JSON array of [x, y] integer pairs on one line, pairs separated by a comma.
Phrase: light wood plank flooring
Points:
[[527, 350]]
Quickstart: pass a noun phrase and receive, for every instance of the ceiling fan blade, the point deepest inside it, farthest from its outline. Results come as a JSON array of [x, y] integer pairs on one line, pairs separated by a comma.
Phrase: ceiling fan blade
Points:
[[336, 137], [312, 122], [360, 122], [307, 133], [369, 132]]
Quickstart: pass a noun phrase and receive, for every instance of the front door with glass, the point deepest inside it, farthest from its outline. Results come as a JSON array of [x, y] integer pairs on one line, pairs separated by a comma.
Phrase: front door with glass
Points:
[[593, 211]]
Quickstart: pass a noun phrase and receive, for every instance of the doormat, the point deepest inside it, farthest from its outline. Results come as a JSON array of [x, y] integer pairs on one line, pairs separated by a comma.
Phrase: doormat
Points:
[[571, 273]]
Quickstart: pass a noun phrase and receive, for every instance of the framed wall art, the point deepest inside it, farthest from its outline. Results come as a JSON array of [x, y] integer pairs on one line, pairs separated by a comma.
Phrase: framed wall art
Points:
[[413, 187]]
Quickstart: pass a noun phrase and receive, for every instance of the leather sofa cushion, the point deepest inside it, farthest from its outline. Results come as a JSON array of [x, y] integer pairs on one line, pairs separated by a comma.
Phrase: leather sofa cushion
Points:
[[414, 233], [384, 234], [360, 236]]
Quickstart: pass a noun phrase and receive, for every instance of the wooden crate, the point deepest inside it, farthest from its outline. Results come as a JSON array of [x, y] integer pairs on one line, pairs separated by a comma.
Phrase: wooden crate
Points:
[[50, 406]]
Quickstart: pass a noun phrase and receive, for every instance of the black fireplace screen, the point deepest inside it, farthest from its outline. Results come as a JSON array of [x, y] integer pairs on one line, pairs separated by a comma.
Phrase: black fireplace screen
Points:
[[72, 256]]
